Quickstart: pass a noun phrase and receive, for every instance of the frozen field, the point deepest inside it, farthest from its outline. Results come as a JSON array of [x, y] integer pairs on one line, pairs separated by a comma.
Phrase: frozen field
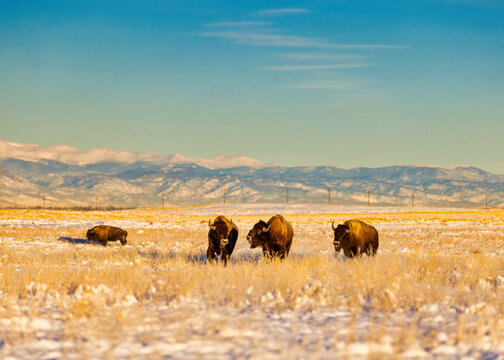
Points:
[[435, 289]]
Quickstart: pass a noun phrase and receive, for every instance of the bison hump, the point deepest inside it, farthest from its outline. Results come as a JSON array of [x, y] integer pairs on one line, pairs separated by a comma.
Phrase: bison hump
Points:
[[356, 227], [223, 219], [278, 224], [360, 228]]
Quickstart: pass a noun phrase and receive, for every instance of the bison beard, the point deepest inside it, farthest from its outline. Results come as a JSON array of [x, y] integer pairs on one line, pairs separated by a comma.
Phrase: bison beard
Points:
[[105, 233], [275, 237], [222, 238], [355, 237]]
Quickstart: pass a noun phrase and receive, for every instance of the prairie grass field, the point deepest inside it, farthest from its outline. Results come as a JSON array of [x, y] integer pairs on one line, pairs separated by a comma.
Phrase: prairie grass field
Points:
[[434, 290]]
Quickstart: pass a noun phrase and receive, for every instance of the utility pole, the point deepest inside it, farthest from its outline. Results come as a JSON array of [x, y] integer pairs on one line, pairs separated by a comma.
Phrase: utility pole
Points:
[[162, 201], [224, 196], [486, 200], [329, 196], [43, 202], [412, 200], [96, 203], [286, 195], [369, 198]]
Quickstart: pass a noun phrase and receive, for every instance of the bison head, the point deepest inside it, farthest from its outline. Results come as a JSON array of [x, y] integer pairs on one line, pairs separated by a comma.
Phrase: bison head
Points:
[[340, 235], [220, 231], [90, 235], [123, 238], [259, 234]]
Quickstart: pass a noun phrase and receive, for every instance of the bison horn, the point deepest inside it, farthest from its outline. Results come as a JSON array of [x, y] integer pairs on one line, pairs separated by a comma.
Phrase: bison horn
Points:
[[332, 225], [267, 229], [212, 226], [231, 221]]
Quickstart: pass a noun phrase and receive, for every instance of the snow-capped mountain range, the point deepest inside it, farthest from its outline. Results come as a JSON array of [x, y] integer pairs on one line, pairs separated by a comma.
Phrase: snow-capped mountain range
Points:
[[68, 177], [72, 156]]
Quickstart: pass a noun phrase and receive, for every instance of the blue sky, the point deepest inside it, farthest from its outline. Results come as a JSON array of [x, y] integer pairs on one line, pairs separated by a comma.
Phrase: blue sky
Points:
[[342, 83]]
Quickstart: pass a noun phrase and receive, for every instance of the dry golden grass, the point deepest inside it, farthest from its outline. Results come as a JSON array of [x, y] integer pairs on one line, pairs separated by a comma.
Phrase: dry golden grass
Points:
[[160, 281]]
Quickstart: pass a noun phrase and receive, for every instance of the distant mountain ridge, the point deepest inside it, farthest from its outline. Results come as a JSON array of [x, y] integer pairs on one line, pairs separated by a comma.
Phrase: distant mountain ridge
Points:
[[66, 177], [70, 155]]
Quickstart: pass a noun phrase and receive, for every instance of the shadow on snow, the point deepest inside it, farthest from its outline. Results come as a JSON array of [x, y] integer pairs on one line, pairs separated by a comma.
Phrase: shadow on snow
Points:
[[72, 240]]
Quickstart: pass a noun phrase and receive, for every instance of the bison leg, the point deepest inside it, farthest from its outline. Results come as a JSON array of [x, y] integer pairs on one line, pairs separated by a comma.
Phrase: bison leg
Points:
[[359, 252], [374, 248], [281, 252], [211, 256], [268, 254], [352, 252], [348, 252], [104, 242], [225, 258]]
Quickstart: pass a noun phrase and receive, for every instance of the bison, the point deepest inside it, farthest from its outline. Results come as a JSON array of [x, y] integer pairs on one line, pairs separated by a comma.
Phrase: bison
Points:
[[275, 237], [355, 237], [222, 238], [105, 233]]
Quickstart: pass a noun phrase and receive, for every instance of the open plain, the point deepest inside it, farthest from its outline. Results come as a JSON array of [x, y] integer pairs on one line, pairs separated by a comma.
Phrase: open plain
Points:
[[434, 290]]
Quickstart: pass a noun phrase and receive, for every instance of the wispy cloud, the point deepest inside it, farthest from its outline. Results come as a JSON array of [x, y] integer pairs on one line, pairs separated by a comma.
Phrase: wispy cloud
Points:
[[314, 56], [309, 57], [370, 46], [264, 39], [323, 85], [282, 12], [238, 24], [315, 67]]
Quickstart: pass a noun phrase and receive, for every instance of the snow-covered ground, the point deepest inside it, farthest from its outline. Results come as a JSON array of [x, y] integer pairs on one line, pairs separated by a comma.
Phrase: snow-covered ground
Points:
[[300, 209], [212, 211], [57, 300]]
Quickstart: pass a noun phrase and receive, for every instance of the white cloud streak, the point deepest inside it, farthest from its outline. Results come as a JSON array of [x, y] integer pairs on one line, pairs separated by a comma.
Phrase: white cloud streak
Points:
[[323, 85], [282, 12], [315, 67], [370, 46], [255, 38], [261, 39], [238, 24], [313, 56]]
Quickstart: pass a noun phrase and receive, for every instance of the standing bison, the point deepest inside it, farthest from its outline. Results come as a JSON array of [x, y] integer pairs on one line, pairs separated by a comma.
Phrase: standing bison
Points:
[[222, 238], [355, 237], [105, 233], [275, 237]]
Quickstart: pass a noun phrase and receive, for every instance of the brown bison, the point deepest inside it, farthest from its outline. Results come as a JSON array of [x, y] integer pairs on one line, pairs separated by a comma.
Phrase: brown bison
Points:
[[105, 233], [355, 237], [222, 238], [275, 237]]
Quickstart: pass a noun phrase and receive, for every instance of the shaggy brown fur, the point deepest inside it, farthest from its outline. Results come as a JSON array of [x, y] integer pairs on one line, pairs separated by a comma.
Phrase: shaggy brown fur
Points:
[[105, 233], [355, 237], [275, 237], [222, 238]]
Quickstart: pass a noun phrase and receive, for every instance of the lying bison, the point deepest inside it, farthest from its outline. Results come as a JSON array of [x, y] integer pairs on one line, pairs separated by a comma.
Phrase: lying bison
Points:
[[222, 238], [105, 233], [355, 237], [275, 237]]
